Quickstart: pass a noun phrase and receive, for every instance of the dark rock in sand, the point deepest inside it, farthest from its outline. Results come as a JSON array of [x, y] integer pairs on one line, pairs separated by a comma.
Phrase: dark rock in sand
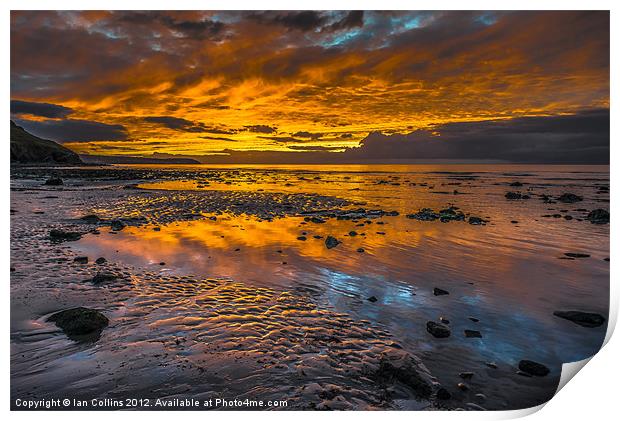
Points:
[[491, 365], [406, 371], [598, 216], [103, 277], [513, 196], [577, 255], [100, 260], [80, 324], [59, 235], [302, 238], [475, 220], [81, 259], [360, 250], [314, 219], [331, 242], [53, 181], [443, 394], [473, 319], [516, 184], [472, 333], [91, 219], [438, 330], [444, 320], [372, 299], [570, 198], [462, 386], [439, 291], [581, 318], [533, 368], [466, 375], [117, 225], [352, 233]]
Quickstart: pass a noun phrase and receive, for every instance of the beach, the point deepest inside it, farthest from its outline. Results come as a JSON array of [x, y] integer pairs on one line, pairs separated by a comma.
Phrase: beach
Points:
[[325, 287]]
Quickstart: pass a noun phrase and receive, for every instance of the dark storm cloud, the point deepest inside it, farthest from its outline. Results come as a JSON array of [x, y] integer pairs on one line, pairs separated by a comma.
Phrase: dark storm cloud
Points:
[[308, 135], [580, 138], [306, 20], [196, 29], [174, 123], [260, 128], [41, 109], [74, 130], [354, 18]]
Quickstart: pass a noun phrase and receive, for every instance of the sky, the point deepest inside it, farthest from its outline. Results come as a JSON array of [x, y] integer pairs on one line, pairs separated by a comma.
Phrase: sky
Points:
[[316, 86]]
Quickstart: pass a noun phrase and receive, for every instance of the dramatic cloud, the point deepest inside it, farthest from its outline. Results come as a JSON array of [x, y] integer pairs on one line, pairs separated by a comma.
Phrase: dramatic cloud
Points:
[[74, 130], [40, 109], [318, 79]]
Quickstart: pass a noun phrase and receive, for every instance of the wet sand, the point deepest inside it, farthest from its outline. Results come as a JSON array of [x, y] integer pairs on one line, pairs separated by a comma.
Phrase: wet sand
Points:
[[225, 286]]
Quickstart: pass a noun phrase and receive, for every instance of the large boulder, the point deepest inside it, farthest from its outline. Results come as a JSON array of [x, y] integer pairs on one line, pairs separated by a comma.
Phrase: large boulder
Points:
[[581, 318], [80, 323]]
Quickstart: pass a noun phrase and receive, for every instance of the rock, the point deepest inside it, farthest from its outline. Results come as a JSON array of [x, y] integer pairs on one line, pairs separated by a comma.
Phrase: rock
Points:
[[302, 238], [516, 184], [514, 196], [473, 319], [475, 220], [314, 219], [407, 371], [60, 235], [568, 217], [100, 260], [466, 375], [533, 368], [438, 330], [443, 394], [102, 277], [439, 291], [360, 250], [331, 242], [91, 219], [80, 324], [581, 318], [54, 181], [472, 333], [570, 198], [81, 259], [117, 225], [462, 386], [372, 299], [444, 320], [352, 233], [491, 365], [598, 216], [577, 255]]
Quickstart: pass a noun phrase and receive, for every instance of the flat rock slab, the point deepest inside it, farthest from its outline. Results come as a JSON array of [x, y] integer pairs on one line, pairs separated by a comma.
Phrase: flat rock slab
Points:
[[581, 318]]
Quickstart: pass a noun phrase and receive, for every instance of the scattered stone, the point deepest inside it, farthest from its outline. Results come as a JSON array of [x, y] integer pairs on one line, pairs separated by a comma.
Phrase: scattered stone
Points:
[[80, 324], [577, 255], [462, 386], [302, 238], [515, 196], [439, 291], [372, 299], [54, 181], [331, 242], [100, 260], [314, 219], [443, 394], [91, 219], [598, 216], [473, 319], [164, 263], [581, 318], [472, 333], [360, 250], [407, 371], [516, 184], [437, 330], [81, 259], [444, 320], [570, 198], [352, 233], [117, 225], [59, 235], [475, 220], [103, 277], [533, 368], [491, 365]]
